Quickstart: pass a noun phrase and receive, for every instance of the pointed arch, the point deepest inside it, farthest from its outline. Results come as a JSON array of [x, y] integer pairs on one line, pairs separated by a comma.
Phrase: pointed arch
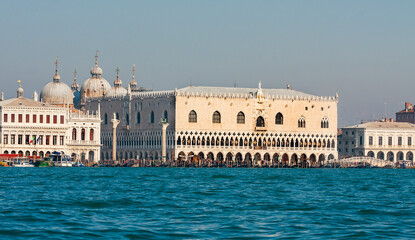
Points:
[[216, 118], [240, 118], [279, 119], [192, 117]]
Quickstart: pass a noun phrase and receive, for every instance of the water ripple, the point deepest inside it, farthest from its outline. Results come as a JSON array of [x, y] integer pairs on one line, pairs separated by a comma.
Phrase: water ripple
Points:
[[145, 203]]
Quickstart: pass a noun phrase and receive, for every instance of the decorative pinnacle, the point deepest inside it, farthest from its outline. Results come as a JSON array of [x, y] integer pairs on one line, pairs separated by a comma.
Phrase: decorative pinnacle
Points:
[[96, 58], [133, 70], [74, 75], [56, 64], [118, 71]]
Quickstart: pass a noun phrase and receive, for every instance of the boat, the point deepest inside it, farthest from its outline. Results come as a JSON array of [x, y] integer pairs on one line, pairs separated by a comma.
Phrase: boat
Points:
[[60, 160], [22, 162]]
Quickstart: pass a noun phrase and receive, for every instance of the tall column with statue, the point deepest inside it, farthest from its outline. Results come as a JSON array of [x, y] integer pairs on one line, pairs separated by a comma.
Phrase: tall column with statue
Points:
[[115, 123], [164, 124]]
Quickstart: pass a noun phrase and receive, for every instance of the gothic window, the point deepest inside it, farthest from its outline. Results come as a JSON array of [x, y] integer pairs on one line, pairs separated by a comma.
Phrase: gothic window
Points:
[[301, 122], [138, 118], [240, 119], [166, 116], [260, 122], [279, 119], [216, 117], [192, 117], [152, 117], [91, 134], [324, 122]]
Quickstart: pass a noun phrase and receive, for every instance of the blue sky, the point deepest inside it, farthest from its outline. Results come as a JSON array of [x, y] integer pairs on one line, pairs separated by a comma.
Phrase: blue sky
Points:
[[364, 50]]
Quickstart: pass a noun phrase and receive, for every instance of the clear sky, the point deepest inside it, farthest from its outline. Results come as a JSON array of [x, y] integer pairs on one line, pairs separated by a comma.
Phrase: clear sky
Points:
[[364, 50]]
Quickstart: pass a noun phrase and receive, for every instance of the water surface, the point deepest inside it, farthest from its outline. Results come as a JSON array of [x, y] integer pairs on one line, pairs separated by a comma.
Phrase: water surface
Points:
[[177, 203]]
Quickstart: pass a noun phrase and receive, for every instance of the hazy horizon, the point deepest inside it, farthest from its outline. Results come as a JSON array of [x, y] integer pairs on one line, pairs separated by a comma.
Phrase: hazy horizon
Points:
[[361, 50]]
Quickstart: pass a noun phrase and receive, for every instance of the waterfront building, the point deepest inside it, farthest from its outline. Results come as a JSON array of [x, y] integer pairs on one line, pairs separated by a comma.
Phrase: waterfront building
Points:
[[407, 114], [386, 140], [219, 123], [37, 128]]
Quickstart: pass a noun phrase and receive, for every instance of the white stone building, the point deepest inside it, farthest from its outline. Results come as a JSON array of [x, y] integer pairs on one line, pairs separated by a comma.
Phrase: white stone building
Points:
[[384, 140], [32, 128], [238, 124]]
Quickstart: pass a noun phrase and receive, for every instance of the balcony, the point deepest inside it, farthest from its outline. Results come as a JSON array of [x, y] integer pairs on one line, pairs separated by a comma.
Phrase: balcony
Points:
[[262, 129]]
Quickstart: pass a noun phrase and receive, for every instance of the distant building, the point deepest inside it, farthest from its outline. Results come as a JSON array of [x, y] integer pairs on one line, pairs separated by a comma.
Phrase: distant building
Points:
[[407, 114], [384, 140], [32, 128]]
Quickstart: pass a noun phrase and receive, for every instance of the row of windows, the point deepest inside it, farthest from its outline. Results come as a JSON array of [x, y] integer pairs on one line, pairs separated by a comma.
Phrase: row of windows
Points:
[[33, 140], [380, 141], [151, 118], [35, 118], [240, 119], [405, 117], [91, 134], [390, 140]]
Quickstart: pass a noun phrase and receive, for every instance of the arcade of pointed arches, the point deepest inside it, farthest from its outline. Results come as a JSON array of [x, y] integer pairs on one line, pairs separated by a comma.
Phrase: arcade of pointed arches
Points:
[[250, 146]]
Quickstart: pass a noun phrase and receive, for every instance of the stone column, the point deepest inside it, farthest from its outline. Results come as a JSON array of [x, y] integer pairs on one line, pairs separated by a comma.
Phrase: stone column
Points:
[[164, 126], [115, 123]]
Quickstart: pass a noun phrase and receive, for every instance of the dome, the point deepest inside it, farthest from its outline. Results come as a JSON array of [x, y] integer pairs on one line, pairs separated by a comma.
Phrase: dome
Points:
[[116, 91], [96, 70], [96, 85], [20, 92], [56, 93]]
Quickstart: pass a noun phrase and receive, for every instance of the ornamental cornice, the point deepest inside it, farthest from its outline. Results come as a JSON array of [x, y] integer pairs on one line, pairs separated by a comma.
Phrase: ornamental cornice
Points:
[[253, 96]]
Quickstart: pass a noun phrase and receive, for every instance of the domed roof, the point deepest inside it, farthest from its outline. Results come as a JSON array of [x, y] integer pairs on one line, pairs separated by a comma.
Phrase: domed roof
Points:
[[96, 85], [56, 92], [20, 91], [96, 70], [116, 91]]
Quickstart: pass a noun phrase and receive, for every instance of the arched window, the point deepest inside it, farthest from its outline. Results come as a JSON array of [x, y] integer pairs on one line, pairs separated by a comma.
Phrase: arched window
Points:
[[240, 119], [127, 119], [166, 116], [118, 116], [138, 118], [279, 119], [83, 134], [152, 117], [74, 134], [216, 117], [105, 118], [192, 117], [324, 122], [260, 122], [301, 122], [91, 134]]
